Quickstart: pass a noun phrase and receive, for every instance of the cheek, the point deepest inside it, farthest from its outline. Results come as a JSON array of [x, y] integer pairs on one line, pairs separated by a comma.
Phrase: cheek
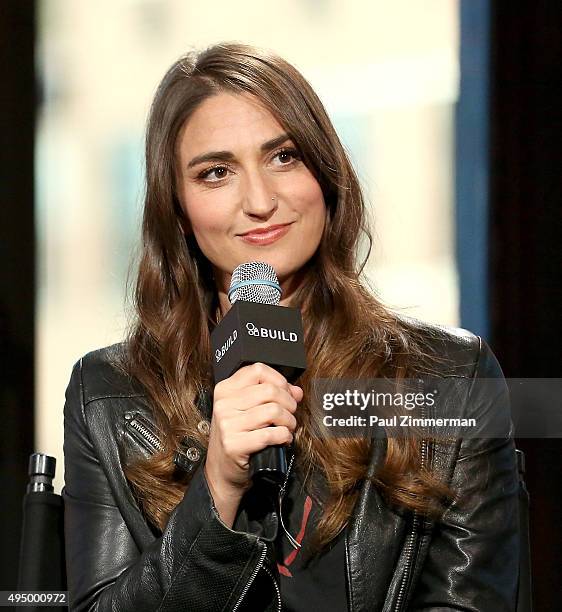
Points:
[[312, 201], [204, 218], [306, 194]]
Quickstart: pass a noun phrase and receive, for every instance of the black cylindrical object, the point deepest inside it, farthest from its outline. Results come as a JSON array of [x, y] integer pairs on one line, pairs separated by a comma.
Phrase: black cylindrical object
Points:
[[42, 563]]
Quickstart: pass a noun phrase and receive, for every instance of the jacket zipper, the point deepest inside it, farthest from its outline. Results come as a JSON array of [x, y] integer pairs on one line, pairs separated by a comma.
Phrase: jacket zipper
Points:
[[264, 552], [409, 553], [252, 578], [276, 586], [141, 431], [411, 537], [150, 441]]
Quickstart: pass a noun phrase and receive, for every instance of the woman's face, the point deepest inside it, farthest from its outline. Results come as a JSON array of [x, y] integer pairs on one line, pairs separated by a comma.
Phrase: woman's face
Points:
[[238, 175]]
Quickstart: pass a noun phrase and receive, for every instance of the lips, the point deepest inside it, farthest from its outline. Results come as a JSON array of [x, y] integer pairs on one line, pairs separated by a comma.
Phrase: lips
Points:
[[264, 230], [265, 235]]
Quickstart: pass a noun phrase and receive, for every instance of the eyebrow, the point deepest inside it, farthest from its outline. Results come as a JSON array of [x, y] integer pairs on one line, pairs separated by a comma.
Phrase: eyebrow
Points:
[[229, 156]]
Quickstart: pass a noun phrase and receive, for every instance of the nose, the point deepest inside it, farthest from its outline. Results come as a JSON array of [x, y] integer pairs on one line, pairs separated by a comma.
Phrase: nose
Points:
[[259, 200]]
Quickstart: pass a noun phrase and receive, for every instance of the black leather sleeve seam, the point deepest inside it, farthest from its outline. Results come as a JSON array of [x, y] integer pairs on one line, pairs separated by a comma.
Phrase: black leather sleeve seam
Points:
[[112, 396], [458, 376], [88, 433], [185, 560], [477, 362], [82, 405], [499, 441], [89, 503], [213, 516], [240, 578], [475, 370]]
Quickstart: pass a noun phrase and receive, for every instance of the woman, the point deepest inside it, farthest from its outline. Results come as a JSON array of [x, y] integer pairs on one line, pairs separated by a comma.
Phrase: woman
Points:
[[242, 163]]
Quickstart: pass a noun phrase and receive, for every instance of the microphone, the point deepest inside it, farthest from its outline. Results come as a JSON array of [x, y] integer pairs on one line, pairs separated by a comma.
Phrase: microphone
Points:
[[257, 329]]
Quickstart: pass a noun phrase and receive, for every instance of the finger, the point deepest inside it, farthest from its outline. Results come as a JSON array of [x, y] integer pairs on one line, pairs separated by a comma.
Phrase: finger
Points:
[[255, 374], [265, 393], [296, 392], [267, 436], [268, 415], [256, 395]]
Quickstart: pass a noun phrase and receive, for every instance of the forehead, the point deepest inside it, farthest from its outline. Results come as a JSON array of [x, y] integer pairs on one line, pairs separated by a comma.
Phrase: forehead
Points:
[[226, 120]]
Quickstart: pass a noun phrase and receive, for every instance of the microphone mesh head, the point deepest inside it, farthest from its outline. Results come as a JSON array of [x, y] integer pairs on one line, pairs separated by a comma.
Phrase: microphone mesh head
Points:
[[255, 281]]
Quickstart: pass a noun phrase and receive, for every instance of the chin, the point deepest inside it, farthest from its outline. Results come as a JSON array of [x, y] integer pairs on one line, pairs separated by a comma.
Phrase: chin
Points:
[[280, 260], [282, 269]]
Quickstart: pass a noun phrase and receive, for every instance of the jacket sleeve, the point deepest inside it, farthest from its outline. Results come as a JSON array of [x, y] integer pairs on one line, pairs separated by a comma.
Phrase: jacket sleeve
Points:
[[473, 558], [197, 564]]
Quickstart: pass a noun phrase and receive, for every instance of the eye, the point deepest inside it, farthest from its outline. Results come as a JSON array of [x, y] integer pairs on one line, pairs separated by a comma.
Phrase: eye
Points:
[[220, 172], [287, 156]]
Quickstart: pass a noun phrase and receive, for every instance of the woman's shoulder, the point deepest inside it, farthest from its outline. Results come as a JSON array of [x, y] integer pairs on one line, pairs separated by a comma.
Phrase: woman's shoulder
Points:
[[470, 386], [102, 374], [453, 351]]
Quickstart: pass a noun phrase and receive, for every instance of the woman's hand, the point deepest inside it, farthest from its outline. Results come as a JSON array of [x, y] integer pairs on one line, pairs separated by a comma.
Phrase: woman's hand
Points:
[[244, 407]]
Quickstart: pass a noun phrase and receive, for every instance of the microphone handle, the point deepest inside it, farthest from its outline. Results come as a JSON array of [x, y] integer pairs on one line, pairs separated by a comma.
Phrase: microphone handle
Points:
[[269, 466]]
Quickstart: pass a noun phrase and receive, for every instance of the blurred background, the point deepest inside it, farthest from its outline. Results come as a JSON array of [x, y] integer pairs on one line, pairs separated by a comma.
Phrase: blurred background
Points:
[[446, 107], [387, 74]]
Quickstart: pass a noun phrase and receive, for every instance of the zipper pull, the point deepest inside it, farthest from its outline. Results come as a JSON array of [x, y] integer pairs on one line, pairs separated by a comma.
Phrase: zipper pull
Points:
[[282, 491]]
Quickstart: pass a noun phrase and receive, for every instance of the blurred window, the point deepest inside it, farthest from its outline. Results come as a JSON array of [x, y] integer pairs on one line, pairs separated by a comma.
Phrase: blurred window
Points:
[[387, 73]]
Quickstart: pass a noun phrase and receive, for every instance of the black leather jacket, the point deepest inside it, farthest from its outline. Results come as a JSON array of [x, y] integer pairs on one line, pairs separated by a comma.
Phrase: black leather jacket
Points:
[[394, 560]]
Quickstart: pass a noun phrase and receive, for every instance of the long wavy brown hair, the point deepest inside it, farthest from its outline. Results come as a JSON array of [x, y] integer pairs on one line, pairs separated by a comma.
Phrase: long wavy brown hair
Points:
[[348, 332]]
